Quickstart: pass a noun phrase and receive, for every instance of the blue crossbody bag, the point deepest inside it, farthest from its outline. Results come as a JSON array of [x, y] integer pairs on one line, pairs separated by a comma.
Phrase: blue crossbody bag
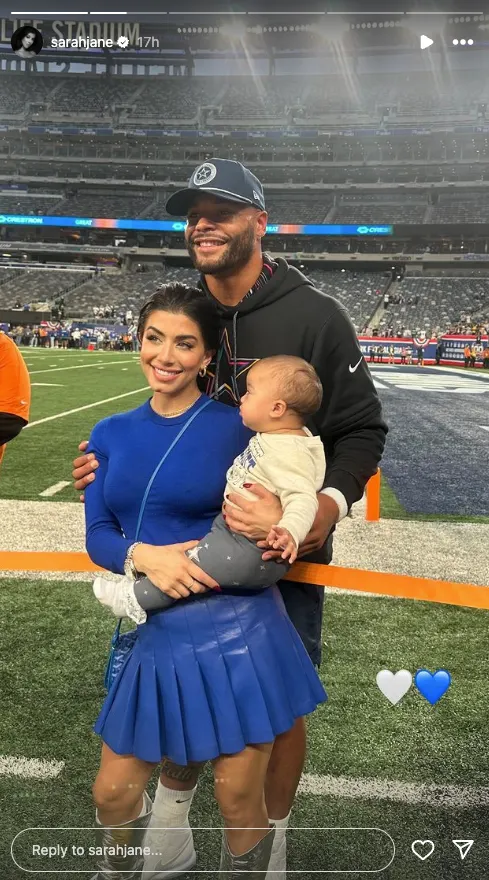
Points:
[[123, 643]]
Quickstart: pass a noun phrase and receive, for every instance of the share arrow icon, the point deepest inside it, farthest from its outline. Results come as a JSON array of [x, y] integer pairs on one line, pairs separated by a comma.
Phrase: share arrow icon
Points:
[[464, 847]]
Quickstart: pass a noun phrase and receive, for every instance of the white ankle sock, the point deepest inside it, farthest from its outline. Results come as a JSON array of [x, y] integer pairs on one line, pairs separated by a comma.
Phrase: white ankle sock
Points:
[[171, 808], [279, 823], [277, 866]]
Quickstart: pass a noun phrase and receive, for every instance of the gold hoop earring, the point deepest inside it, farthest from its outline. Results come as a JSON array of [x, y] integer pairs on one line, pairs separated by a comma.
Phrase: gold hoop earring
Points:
[[203, 372]]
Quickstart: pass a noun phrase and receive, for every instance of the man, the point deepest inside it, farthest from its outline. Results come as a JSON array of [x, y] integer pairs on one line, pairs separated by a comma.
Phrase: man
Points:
[[15, 392], [269, 308], [440, 350]]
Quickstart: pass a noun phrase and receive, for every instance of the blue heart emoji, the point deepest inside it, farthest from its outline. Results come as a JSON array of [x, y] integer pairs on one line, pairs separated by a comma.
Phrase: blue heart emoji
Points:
[[432, 685]]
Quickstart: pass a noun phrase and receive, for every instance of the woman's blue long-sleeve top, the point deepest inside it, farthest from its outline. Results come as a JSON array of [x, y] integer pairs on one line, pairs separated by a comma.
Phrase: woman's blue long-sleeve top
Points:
[[187, 493]]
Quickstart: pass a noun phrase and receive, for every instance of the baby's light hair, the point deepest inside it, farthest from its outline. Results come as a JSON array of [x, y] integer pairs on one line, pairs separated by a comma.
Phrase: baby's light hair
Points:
[[296, 382]]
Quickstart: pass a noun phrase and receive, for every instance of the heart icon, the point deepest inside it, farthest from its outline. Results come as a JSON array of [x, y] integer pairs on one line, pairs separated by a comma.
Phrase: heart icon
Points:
[[432, 686], [394, 686], [423, 849]]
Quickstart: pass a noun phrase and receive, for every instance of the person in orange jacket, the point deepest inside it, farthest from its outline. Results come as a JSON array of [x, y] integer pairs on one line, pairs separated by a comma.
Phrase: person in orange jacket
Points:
[[466, 355], [15, 392]]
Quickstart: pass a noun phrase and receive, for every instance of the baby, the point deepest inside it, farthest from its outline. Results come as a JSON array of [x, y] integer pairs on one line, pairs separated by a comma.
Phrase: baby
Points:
[[285, 458]]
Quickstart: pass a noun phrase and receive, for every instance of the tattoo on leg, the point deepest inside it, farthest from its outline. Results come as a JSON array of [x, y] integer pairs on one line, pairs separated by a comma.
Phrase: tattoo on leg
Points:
[[179, 773]]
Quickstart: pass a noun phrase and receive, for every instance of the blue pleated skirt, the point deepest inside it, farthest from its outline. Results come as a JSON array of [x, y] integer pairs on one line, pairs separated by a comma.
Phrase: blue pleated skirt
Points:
[[209, 676]]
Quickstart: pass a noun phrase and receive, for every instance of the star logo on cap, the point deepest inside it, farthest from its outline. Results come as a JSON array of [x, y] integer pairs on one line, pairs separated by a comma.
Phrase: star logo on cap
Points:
[[205, 174]]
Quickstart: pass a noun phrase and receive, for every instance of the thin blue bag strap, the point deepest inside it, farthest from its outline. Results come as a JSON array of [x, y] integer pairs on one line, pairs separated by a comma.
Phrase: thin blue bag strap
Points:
[[167, 453]]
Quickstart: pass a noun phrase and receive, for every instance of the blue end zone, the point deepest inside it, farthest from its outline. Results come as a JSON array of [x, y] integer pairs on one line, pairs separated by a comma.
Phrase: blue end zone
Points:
[[437, 452]]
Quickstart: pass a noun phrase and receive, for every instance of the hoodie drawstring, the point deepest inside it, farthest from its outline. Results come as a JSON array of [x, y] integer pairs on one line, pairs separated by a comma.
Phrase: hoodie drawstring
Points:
[[235, 356], [215, 389]]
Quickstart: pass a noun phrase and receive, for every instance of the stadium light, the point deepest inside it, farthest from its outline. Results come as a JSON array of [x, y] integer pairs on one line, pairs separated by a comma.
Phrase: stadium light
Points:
[[235, 30], [332, 31]]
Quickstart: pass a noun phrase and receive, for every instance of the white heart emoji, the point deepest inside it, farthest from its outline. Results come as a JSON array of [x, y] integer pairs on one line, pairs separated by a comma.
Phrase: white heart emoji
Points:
[[394, 686]]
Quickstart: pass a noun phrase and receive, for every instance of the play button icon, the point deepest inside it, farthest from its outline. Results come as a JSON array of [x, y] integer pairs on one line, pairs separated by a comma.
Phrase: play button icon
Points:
[[425, 41]]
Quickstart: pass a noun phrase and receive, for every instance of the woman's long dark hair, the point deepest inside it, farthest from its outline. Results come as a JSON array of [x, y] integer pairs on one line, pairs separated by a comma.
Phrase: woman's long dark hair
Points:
[[181, 299], [20, 33]]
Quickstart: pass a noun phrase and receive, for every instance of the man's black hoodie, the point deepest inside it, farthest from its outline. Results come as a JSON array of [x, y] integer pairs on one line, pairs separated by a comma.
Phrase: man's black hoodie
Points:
[[288, 315]]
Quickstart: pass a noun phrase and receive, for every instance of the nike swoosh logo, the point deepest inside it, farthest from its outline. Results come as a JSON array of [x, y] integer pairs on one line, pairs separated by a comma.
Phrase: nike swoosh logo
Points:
[[352, 369]]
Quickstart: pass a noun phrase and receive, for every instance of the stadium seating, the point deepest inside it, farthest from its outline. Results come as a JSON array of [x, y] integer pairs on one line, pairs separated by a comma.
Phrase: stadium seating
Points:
[[295, 208], [175, 97], [171, 97], [247, 98], [35, 285], [30, 204], [462, 208], [359, 292], [434, 304], [97, 96], [103, 205], [378, 209]]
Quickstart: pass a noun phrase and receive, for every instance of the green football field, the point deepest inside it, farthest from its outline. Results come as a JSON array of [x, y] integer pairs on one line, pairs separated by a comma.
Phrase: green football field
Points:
[[415, 771], [71, 392]]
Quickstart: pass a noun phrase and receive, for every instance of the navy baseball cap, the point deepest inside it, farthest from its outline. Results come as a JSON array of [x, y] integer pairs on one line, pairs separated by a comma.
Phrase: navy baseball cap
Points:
[[223, 178]]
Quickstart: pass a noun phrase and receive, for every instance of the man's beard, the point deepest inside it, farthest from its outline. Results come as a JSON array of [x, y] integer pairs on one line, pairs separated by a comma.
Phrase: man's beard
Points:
[[236, 254]]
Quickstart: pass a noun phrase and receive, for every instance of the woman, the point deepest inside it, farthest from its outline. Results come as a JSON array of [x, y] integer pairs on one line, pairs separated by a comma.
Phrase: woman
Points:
[[221, 673], [26, 43]]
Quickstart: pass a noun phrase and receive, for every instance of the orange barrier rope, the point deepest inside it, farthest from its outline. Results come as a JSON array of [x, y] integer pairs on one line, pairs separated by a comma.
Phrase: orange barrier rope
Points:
[[372, 491], [382, 583], [33, 561], [357, 580]]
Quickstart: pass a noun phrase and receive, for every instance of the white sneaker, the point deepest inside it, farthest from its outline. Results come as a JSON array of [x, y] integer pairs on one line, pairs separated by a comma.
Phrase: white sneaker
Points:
[[119, 597]]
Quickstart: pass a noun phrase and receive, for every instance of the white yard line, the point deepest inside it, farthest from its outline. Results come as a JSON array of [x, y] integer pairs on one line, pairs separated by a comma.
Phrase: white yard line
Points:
[[70, 412], [79, 367], [53, 490], [30, 768], [424, 794]]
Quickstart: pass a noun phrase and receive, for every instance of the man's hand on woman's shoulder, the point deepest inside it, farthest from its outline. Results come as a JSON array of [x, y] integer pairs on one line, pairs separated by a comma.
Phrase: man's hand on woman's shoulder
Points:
[[83, 469]]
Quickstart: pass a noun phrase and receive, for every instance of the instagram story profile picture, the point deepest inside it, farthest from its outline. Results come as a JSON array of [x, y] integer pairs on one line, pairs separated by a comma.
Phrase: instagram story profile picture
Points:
[[26, 42]]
